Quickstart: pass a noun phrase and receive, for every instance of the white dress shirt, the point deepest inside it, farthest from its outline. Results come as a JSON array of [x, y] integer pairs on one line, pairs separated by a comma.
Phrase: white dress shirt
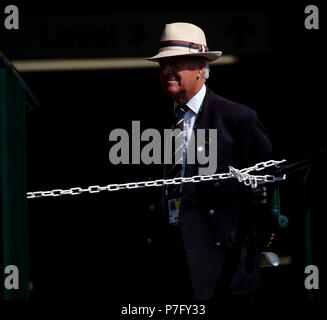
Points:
[[189, 119]]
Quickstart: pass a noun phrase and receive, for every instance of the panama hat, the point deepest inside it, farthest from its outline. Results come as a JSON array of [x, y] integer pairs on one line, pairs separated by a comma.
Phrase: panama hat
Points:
[[181, 39]]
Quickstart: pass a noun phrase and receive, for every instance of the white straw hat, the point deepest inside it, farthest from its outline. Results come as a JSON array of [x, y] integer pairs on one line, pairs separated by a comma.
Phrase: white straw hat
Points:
[[182, 38]]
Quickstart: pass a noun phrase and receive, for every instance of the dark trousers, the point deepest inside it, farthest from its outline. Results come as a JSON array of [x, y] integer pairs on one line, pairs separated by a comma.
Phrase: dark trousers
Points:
[[176, 283]]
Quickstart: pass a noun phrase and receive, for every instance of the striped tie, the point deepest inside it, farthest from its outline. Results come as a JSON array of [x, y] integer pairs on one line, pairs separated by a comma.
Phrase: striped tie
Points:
[[176, 168]]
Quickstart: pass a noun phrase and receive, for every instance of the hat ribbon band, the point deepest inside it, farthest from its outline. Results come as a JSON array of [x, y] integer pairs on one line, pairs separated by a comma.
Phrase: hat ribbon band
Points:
[[185, 44]]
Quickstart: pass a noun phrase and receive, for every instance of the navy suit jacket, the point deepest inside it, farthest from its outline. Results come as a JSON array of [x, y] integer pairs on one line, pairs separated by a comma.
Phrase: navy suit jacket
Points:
[[216, 218]]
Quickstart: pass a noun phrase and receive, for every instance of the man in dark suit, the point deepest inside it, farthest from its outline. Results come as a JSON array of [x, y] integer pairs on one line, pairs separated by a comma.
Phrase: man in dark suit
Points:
[[210, 223]]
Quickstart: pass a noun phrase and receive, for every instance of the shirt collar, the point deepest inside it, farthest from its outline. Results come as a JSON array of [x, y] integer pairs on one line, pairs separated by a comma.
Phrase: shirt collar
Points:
[[195, 102]]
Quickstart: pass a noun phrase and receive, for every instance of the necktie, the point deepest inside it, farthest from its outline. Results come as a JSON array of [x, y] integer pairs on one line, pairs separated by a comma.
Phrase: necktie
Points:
[[177, 160]]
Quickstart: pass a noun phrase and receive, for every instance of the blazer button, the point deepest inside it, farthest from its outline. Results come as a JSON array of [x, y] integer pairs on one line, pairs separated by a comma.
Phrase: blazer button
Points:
[[152, 207], [211, 212], [218, 244], [216, 184]]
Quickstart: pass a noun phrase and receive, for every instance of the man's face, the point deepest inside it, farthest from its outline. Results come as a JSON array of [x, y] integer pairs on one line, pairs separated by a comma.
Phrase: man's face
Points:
[[181, 76]]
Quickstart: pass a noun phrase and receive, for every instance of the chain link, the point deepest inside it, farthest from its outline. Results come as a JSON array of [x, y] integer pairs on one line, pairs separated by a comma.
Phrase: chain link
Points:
[[242, 175]]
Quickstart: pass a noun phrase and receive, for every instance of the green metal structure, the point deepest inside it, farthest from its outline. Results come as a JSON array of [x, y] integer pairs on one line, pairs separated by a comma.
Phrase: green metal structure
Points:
[[282, 221], [13, 202], [308, 241]]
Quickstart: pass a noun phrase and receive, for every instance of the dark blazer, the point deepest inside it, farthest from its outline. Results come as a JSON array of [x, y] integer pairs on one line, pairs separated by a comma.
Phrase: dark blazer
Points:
[[215, 218]]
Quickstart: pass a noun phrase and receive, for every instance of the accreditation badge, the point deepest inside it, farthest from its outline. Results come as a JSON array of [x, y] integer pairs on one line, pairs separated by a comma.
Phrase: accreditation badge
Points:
[[173, 209]]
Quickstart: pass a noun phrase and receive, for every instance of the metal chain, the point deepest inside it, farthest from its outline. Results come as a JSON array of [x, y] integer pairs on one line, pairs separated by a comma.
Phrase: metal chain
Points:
[[242, 175]]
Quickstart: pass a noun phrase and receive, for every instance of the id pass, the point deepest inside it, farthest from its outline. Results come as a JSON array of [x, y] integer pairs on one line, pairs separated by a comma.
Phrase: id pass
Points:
[[173, 209]]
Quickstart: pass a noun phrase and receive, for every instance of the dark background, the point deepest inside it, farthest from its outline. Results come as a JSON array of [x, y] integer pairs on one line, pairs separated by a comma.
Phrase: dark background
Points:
[[96, 246]]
